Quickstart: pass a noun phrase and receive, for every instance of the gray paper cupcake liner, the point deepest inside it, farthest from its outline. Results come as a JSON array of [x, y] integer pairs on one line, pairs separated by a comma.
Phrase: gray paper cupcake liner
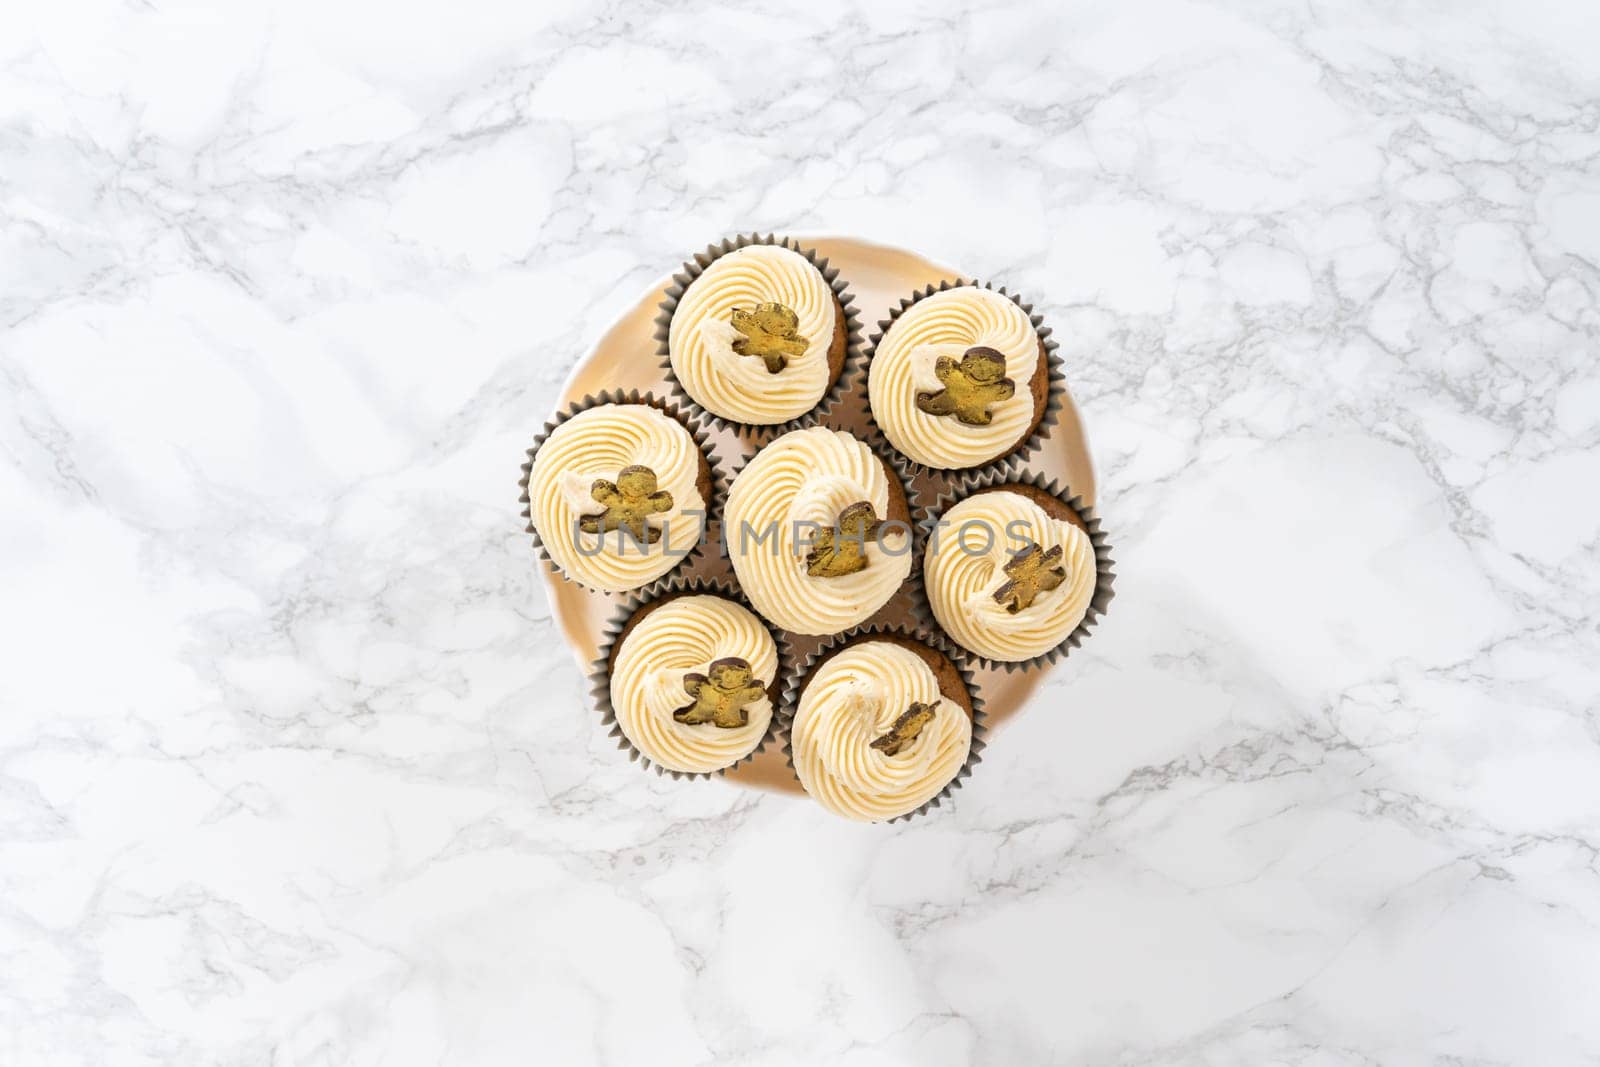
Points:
[[1105, 565], [914, 509], [1056, 385], [600, 670], [801, 673], [616, 396], [693, 268]]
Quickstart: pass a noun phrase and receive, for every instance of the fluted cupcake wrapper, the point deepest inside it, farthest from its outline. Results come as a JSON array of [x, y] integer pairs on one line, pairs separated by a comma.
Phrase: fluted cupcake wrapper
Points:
[[616, 396], [914, 507], [1105, 565], [693, 268], [600, 670], [935, 640], [1055, 389]]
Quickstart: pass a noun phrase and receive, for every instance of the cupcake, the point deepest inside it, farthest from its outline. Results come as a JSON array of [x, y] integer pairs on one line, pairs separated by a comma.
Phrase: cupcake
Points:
[[690, 679], [881, 725], [759, 336], [1012, 571], [960, 378], [617, 492], [818, 528]]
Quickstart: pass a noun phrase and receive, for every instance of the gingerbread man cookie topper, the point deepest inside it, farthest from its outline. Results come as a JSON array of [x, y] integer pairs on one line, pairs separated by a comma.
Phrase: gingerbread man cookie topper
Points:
[[720, 695], [970, 386], [843, 549], [905, 729], [628, 502], [771, 331], [1031, 571]]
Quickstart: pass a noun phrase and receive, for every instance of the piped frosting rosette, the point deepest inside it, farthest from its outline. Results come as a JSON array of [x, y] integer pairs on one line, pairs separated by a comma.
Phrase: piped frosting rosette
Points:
[[780, 507], [599, 439], [699, 340], [948, 321], [1015, 540], [850, 709], [684, 629]]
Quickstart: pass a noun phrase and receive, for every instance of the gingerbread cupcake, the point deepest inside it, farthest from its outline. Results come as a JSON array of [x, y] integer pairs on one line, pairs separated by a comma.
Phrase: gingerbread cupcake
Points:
[[881, 725], [690, 677], [759, 334], [1014, 570], [961, 377], [817, 526], [617, 491]]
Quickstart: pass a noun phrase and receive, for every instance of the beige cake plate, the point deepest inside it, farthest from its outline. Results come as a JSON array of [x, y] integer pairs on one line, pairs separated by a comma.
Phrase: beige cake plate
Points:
[[878, 275]]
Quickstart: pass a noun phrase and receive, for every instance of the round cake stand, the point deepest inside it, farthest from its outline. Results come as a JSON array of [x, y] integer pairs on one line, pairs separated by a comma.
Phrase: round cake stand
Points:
[[625, 358]]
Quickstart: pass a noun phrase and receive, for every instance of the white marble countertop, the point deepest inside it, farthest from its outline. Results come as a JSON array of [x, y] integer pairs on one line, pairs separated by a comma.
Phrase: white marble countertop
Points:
[[293, 769]]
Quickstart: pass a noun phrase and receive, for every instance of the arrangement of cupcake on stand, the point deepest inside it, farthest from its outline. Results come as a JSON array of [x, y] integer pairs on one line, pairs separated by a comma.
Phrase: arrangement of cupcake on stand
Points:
[[883, 550]]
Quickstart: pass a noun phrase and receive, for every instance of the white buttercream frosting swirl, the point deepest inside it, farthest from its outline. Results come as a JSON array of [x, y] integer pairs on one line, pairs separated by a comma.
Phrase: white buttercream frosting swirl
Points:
[[851, 700], [598, 443], [947, 324], [964, 565], [701, 335], [681, 637], [794, 486]]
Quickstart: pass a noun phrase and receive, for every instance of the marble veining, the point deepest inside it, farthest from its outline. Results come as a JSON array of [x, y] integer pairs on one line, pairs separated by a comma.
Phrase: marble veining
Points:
[[294, 769]]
